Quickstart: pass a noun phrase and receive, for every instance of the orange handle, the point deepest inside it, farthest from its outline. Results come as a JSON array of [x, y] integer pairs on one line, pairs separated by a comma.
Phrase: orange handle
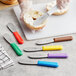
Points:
[[18, 37]]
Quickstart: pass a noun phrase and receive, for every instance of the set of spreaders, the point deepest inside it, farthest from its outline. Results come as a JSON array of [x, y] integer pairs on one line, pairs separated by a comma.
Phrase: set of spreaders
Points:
[[38, 48]]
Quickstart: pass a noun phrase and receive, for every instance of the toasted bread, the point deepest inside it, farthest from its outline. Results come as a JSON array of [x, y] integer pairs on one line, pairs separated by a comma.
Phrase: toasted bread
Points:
[[30, 17], [59, 11], [9, 1]]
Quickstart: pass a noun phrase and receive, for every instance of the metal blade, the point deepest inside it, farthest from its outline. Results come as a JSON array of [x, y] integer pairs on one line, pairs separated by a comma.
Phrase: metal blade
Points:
[[8, 38], [41, 19], [37, 57], [27, 63], [33, 49], [44, 42], [11, 27], [54, 9]]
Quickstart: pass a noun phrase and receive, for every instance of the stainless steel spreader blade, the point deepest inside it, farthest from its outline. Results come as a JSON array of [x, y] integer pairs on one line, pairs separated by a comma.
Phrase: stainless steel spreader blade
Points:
[[41, 19], [27, 63], [33, 49], [8, 38], [11, 27], [43, 42], [37, 57]]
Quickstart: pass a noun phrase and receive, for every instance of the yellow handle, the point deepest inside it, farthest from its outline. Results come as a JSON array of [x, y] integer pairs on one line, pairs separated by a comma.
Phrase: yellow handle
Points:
[[49, 48]]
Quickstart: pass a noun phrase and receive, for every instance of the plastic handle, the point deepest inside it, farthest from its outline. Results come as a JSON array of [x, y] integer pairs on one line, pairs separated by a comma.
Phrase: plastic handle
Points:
[[49, 48], [18, 37], [61, 55], [48, 64], [60, 39], [16, 49]]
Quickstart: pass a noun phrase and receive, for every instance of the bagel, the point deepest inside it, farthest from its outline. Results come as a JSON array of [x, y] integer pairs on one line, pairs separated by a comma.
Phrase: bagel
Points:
[[30, 17], [62, 11], [9, 1]]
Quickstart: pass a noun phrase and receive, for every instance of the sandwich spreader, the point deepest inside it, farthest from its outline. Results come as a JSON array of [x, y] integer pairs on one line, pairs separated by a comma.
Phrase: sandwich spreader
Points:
[[12, 28], [55, 55], [41, 63], [43, 48], [42, 18], [54, 40], [13, 45]]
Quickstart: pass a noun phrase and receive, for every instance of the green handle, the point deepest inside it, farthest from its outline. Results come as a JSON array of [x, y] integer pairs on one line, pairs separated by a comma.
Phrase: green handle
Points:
[[16, 49]]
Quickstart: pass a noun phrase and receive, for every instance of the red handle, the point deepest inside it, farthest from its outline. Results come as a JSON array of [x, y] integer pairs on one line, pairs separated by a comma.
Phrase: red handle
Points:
[[18, 37]]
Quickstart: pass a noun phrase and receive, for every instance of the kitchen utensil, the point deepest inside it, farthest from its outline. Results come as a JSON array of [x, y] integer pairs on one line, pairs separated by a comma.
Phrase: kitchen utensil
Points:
[[43, 48], [56, 55], [41, 19], [59, 39], [41, 63], [13, 45], [12, 28]]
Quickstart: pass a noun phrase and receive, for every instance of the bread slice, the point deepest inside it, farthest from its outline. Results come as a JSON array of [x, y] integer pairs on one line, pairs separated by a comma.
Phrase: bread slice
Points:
[[9, 1], [59, 11], [30, 17]]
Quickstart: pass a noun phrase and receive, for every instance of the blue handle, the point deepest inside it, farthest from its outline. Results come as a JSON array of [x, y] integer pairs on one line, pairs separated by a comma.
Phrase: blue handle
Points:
[[48, 64]]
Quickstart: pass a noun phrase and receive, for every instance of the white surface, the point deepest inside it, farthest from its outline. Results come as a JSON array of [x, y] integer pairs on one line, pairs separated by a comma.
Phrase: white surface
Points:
[[56, 25], [5, 60]]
